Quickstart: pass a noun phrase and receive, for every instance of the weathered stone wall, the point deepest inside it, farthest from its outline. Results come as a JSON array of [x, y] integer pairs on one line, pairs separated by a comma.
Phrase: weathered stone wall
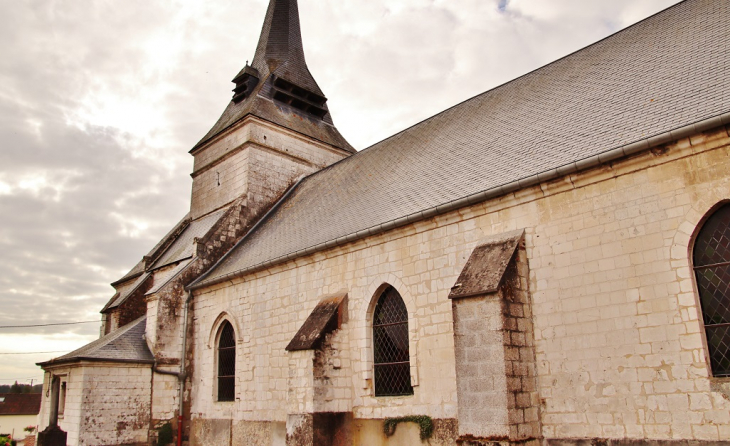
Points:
[[495, 360], [254, 158], [107, 404], [72, 413], [220, 184], [332, 374], [115, 405], [618, 341]]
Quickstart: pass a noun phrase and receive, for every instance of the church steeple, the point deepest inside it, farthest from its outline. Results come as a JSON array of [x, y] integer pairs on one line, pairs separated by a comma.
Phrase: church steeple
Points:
[[280, 49], [278, 85]]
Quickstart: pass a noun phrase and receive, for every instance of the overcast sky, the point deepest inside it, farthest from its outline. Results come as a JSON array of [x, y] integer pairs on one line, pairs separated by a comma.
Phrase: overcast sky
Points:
[[100, 101]]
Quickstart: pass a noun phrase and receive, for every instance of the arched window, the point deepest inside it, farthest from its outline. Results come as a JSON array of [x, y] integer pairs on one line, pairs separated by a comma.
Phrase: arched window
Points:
[[390, 345], [711, 261], [227, 363]]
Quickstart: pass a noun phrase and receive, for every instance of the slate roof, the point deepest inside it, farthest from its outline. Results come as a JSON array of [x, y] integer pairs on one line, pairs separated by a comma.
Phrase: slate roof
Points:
[[20, 403], [126, 344], [124, 291], [134, 272], [484, 271], [663, 73], [162, 277], [183, 247], [280, 53], [140, 266]]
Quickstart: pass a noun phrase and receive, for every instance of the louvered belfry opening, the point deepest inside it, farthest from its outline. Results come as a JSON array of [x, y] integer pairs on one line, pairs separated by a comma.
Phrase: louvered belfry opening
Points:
[[299, 98], [227, 363], [711, 259], [390, 345]]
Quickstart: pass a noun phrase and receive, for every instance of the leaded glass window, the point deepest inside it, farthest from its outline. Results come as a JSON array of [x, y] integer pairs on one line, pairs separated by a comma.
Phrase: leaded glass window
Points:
[[227, 363], [711, 259], [390, 344]]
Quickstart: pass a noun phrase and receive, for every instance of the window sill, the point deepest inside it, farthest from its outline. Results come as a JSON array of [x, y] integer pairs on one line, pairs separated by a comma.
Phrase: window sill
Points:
[[392, 397]]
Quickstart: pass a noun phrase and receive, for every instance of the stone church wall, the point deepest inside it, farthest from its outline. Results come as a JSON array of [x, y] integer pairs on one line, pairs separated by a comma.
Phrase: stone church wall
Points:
[[107, 404], [115, 404], [72, 412], [618, 342], [495, 360]]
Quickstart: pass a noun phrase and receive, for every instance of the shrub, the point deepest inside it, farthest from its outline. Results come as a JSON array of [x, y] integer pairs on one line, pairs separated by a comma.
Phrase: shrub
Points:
[[423, 421], [164, 435]]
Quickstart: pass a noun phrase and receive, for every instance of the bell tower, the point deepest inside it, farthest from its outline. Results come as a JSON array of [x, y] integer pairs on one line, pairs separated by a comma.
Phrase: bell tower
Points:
[[276, 127]]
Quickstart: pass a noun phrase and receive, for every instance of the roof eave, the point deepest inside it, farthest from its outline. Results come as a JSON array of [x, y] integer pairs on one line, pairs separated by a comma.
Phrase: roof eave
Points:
[[609, 156], [54, 362], [210, 139]]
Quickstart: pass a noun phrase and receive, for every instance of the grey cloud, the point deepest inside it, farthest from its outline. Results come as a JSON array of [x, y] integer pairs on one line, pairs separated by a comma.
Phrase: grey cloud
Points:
[[384, 66]]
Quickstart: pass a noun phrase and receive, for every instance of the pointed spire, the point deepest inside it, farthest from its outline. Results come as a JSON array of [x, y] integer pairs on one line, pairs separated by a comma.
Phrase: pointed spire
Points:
[[278, 85], [280, 50]]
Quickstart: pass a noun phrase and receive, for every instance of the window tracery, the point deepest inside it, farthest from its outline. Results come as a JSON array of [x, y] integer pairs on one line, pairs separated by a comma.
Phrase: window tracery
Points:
[[226, 363], [392, 367], [711, 261]]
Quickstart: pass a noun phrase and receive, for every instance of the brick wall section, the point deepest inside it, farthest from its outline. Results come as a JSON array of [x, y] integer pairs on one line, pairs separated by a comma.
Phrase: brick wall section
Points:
[[135, 306], [618, 342]]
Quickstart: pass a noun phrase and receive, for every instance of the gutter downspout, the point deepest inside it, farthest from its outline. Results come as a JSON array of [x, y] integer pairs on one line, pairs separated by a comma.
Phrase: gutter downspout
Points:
[[181, 381], [181, 376], [182, 373], [165, 372]]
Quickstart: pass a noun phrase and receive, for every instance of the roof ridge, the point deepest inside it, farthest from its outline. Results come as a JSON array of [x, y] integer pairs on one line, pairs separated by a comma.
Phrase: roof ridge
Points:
[[511, 81]]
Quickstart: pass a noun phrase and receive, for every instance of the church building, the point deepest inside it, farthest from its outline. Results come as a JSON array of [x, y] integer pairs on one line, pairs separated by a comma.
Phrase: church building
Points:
[[547, 263]]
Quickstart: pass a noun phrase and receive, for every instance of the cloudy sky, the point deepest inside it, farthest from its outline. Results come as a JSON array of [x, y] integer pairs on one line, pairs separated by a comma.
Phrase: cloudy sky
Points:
[[100, 101]]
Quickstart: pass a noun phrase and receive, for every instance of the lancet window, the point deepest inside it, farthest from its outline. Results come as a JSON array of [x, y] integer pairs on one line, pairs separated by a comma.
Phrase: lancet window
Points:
[[227, 363], [390, 345], [711, 261]]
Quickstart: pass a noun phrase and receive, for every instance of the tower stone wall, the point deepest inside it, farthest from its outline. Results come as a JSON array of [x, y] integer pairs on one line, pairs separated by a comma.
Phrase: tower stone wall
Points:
[[256, 159]]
